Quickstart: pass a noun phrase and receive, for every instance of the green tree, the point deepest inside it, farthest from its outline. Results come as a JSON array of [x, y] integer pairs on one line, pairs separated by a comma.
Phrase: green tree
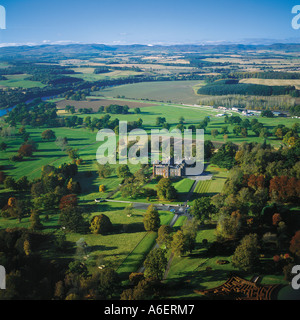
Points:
[[155, 264], [202, 208], [3, 146], [35, 221], [151, 219], [104, 170], [246, 255], [108, 283], [165, 190], [179, 243], [214, 133], [123, 171], [71, 219], [164, 235]]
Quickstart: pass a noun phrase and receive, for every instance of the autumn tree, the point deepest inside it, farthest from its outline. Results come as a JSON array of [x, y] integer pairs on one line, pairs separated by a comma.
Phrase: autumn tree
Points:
[[69, 200], [102, 188], [48, 135], [295, 244], [101, 224], [26, 150]]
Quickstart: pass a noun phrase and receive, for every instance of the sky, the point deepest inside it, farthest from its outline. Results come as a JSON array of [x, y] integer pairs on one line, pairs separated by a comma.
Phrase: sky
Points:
[[147, 22]]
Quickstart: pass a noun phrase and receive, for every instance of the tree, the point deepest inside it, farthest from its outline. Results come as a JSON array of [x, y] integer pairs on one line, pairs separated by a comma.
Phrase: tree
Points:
[[267, 113], [108, 283], [73, 153], [123, 171], [26, 150], [69, 200], [202, 208], [246, 255], [228, 227], [71, 219], [2, 177], [102, 188], [101, 224], [48, 135], [224, 157], [15, 208], [164, 235], [160, 121], [179, 243], [3, 146], [295, 244], [155, 264], [104, 170], [189, 230], [23, 184], [35, 221], [151, 219], [10, 183], [214, 132], [208, 149], [165, 190]]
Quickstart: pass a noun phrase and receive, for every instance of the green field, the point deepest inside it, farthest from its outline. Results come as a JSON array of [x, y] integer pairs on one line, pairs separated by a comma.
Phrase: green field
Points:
[[20, 81]]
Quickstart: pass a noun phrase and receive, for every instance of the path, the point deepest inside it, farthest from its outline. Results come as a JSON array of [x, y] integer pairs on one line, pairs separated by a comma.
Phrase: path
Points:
[[142, 268], [182, 211]]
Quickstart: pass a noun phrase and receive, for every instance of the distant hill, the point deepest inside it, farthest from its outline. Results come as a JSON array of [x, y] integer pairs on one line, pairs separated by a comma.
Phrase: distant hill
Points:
[[70, 50]]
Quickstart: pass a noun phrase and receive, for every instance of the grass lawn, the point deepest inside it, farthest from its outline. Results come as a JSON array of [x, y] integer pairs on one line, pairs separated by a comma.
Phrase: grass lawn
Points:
[[136, 257], [188, 273]]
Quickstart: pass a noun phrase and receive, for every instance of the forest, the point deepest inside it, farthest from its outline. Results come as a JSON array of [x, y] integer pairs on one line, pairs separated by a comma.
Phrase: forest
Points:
[[247, 89]]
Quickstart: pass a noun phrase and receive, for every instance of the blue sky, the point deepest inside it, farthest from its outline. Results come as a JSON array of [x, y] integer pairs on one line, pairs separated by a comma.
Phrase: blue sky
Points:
[[146, 22]]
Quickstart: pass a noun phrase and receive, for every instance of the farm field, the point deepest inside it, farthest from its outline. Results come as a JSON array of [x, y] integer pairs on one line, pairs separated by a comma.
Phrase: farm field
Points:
[[174, 91], [86, 75], [95, 103], [20, 81]]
